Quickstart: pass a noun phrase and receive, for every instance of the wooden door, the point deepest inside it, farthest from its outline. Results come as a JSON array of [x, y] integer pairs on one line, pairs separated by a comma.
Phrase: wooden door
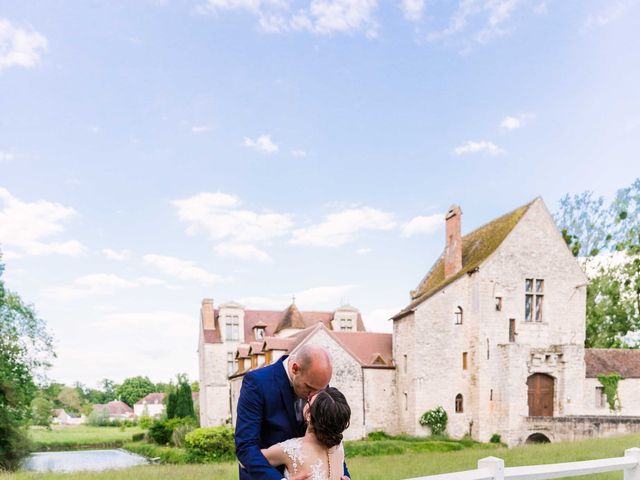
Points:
[[540, 389]]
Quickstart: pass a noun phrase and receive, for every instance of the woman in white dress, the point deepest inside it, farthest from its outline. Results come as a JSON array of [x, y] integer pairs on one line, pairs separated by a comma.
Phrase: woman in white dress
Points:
[[319, 453]]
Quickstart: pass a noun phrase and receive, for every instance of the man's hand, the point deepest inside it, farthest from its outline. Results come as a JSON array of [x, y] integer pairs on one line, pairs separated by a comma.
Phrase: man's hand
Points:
[[302, 476]]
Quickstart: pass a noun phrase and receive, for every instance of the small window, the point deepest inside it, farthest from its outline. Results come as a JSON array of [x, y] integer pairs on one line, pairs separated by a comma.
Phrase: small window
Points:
[[488, 353], [406, 401], [533, 300], [459, 404], [406, 362], [346, 325], [601, 398], [499, 304], [231, 363], [458, 315], [232, 330], [464, 360], [512, 330], [259, 333], [491, 395]]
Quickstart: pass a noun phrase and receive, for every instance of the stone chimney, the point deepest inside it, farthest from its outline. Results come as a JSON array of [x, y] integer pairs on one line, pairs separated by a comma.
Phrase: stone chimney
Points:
[[207, 314], [453, 250]]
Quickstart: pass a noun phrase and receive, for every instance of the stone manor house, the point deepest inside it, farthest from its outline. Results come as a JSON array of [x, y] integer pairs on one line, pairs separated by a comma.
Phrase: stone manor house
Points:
[[494, 333]]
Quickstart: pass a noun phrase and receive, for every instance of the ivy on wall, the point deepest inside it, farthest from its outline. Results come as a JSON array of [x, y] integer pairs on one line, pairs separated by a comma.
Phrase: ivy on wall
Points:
[[609, 383]]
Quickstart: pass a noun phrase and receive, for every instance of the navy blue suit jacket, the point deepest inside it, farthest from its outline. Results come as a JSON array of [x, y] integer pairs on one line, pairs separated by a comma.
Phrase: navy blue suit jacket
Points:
[[266, 416]]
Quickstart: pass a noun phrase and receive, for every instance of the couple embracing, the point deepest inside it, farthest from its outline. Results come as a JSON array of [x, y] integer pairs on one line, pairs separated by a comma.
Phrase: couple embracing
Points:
[[290, 422]]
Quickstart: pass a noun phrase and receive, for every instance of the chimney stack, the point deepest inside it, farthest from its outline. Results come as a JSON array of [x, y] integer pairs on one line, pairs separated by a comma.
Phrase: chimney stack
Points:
[[207, 314], [453, 250]]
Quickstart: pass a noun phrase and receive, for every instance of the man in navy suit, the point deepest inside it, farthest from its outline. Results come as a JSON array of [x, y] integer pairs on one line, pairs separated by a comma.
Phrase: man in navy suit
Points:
[[270, 408]]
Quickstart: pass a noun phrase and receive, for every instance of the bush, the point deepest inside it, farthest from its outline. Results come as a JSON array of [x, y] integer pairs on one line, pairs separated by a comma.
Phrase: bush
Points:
[[495, 438], [179, 434], [99, 418], [165, 454], [137, 437], [212, 444], [435, 419], [145, 422], [379, 435], [162, 430]]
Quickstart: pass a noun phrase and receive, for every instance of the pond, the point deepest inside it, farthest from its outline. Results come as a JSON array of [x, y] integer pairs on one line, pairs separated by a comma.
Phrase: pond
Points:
[[94, 460]]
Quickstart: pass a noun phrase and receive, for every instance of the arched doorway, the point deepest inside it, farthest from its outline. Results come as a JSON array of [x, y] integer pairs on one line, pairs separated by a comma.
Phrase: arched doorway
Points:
[[540, 395], [537, 438]]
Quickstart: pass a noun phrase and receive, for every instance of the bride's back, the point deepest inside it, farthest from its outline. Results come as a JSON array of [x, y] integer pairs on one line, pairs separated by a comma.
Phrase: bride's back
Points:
[[307, 455]]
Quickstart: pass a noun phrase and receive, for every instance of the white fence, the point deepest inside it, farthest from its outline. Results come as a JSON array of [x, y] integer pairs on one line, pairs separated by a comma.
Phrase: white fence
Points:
[[492, 468]]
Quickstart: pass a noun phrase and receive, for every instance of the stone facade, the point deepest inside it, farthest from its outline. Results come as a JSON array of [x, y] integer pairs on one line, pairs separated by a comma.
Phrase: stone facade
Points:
[[494, 334]]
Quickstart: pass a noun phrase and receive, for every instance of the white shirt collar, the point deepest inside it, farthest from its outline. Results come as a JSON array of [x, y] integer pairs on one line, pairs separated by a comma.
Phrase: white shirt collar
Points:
[[285, 364]]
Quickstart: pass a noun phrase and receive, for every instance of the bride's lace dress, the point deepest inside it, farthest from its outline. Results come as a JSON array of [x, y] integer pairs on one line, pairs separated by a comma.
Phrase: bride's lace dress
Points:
[[293, 449]]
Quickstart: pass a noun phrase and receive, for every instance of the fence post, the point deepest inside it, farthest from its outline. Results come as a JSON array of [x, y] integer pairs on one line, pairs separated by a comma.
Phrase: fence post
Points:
[[496, 467], [632, 473]]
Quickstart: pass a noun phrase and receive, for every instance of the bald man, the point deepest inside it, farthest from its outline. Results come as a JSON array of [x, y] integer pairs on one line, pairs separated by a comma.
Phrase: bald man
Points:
[[270, 408]]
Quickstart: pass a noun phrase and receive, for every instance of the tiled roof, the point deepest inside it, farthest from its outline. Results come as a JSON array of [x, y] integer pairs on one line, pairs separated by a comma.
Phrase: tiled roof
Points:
[[477, 246], [243, 351], [625, 362], [370, 349], [278, 343], [116, 407], [213, 336], [255, 348], [156, 397], [292, 319]]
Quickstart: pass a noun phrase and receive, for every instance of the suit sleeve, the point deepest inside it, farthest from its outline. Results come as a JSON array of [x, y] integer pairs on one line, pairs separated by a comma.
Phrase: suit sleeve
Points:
[[346, 470], [248, 424]]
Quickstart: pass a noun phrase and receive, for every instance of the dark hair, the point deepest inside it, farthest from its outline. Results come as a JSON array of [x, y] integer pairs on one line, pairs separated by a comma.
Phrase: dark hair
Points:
[[330, 414]]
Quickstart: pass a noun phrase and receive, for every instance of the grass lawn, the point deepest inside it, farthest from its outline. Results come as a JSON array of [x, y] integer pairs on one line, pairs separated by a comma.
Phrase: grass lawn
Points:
[[388, 467], [81, 436]]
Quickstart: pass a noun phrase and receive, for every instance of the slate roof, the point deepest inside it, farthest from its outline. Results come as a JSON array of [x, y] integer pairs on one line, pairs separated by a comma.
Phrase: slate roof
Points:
[[477, 247], [625, 362]]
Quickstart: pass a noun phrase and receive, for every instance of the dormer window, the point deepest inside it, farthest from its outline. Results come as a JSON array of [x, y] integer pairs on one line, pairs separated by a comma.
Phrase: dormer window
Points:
[[259, 333], [346, 325], [232, 328], [458, 315]]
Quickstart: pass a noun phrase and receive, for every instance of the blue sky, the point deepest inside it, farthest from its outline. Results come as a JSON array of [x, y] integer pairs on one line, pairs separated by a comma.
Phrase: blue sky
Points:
[[154, 153]]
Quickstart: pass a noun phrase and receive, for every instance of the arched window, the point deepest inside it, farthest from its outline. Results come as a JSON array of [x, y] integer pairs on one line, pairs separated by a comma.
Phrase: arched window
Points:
[[458, 315], [459, 403]]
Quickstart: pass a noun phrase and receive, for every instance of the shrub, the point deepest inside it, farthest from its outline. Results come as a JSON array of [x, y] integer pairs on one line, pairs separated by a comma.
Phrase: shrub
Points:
[[435, 419], [212, 444], [137, 437], [379, 435], [162, 430], [165, 454], [179, 434], [145, 422], [99, 418], [495, 438]]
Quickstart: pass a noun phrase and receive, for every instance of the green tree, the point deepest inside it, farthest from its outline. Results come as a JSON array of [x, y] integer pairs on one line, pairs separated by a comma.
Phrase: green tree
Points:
[[41, 411], [195, 386], [184, 399], [70, 399], [25, 351], [607, 238], [134, 388]]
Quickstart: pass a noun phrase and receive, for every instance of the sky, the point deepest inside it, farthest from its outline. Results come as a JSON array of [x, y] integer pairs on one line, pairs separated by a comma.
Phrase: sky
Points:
[[154, 153]]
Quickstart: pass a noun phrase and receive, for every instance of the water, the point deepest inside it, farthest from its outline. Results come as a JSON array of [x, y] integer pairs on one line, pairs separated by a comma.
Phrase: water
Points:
[[94, 460]]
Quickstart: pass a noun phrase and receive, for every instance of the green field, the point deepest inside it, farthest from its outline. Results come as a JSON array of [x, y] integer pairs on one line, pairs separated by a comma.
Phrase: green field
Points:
[[78, 437], [389, 467]]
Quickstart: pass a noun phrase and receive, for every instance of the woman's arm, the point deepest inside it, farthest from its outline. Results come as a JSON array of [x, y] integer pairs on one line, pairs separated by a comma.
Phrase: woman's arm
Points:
[[275, 455]]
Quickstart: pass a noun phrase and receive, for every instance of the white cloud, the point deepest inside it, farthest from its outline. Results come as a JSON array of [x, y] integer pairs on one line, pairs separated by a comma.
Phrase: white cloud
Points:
[[178, 323], [116, 255], [6, 156], [486, 19], [611, 12], [244, 251], [19, 47], [262, 144], [378, 320], [482, 146], [363, 251], [324, 297], [513, 122], [182, 269], [298, 153], [150, 281], [413, 9], [423, 225], [342, 227], [217, 214], [27, 227], [337, 16], [97, 284], [197, 129]]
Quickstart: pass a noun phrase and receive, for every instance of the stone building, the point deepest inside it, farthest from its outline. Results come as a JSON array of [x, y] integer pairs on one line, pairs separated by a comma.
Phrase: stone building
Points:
[[494, 333]]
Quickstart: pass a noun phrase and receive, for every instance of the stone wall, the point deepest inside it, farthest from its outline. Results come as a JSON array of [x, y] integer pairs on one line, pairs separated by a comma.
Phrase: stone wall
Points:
[[628, 394], [573, 428], [380, 400]]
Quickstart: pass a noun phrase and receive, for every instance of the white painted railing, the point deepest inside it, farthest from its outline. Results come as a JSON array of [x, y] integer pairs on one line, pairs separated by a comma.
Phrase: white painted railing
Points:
[[492, 468]]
